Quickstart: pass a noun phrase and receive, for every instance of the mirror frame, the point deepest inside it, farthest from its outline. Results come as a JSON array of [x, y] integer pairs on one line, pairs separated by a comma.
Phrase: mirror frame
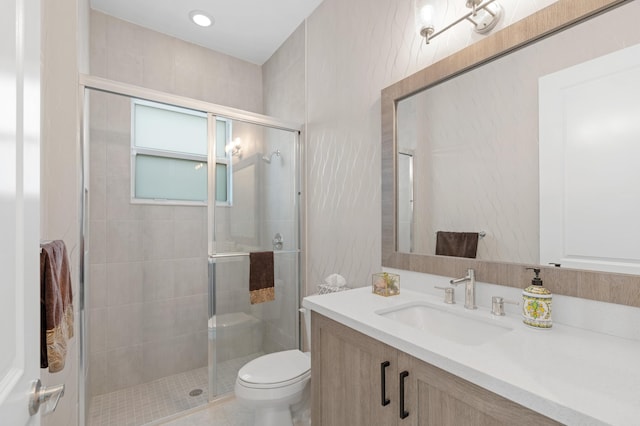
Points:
[[602, 286]]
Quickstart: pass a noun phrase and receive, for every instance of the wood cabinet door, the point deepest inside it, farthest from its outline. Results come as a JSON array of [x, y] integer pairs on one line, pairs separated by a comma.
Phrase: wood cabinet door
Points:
[[437, 398], [348, 370]]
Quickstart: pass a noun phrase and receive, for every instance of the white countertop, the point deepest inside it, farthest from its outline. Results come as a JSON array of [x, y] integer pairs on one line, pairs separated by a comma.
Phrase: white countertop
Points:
[[572, 375]]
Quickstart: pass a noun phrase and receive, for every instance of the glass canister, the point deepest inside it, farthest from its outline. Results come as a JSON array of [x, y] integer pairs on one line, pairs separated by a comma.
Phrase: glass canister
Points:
[[385, 284]]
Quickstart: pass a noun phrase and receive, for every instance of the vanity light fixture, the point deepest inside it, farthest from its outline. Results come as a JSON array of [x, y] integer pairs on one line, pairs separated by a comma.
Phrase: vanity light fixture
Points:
[[484, 16], [200, 18]]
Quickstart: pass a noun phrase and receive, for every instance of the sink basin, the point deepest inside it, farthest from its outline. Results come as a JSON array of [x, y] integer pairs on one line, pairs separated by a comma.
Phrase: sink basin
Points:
[[461, 327]]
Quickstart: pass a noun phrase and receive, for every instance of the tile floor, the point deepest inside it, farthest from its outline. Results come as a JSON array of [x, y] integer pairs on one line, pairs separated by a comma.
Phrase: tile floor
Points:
[[144, 403], [168, 396], [227, 412], [228, 371], [224, 413]]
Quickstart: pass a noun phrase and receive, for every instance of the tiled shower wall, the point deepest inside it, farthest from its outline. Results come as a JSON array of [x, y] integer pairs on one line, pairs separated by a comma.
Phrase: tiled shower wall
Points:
[[148, 278], [147, 304]]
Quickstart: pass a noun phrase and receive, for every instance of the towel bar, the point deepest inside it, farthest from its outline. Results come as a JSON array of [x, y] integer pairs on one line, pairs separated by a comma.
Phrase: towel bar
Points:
[[238, 254], [482, 234]]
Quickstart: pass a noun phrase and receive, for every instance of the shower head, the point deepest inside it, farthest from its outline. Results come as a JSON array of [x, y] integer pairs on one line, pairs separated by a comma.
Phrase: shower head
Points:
[[267, 159]]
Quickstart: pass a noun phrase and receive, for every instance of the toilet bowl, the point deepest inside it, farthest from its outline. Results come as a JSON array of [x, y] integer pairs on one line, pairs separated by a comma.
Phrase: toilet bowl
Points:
[[272, 384]]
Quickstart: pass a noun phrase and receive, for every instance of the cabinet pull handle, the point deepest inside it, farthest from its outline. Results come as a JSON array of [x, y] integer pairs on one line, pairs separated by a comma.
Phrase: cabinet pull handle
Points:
[[383, 384], [403, 413]]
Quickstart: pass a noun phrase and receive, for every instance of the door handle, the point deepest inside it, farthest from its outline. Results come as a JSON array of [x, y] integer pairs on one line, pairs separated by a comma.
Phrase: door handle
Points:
[[41, 395], [383, 384], [211, 278], [403, 414]]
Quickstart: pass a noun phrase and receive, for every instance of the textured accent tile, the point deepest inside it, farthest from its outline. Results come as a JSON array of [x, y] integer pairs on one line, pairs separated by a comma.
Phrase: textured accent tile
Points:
[[343, 128]]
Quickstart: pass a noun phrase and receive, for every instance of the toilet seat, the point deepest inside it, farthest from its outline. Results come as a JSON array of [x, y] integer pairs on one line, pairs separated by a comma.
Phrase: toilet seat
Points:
[[275, 370]]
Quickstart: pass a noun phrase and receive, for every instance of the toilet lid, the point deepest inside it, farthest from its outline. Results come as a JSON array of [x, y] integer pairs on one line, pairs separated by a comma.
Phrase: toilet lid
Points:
[[278, 369]]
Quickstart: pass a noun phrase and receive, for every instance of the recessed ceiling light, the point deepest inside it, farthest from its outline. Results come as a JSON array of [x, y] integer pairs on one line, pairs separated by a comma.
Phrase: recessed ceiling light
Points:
[[201, 18]]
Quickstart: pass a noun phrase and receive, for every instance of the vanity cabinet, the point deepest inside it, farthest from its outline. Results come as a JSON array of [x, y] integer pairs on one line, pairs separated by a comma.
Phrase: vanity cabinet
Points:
[[357, 380], [347, 369]]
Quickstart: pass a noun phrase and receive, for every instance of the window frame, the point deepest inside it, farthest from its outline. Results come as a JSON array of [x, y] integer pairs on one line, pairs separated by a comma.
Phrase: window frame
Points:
[[154, 152], [227, 160]]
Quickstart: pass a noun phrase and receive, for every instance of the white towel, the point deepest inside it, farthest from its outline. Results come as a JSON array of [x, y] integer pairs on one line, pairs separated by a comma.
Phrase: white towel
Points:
[[335, 280]]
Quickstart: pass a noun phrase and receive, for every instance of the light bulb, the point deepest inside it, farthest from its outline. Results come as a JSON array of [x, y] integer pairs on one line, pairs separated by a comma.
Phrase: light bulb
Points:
[[426, 16], [200, 18]]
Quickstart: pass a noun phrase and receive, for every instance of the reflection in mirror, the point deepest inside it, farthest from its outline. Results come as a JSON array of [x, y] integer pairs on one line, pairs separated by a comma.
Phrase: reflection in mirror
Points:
[[474, 140], [589, 203], [405, 201]]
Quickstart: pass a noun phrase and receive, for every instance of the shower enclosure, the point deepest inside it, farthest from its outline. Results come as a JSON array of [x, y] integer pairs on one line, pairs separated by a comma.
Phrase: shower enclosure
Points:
[[177, 193], [260, 213]]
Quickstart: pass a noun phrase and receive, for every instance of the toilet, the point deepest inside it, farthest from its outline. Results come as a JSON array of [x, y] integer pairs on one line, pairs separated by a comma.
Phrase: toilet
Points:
[[273, 384]]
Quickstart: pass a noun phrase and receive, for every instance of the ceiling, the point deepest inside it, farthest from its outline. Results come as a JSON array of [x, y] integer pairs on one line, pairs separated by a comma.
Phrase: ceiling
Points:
[[251, 30]]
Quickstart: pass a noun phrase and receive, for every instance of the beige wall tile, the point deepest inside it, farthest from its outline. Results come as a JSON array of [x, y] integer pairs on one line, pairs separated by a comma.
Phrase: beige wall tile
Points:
[[125, 283], [98, 198], [190, 213], [188, 235], [158, 280], [159, 212], [98, 325], [124, 367], [97, 373], [124, 241], [96, 292], [160, 359], [124, 326], [159, 320], [158, 239], [97, 241], [190, 276]]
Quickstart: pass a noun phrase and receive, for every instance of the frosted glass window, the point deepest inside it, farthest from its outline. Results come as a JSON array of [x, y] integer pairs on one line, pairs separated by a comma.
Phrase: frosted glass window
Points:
[[221, 183], [162, 178], [169, 146], [170, 129]]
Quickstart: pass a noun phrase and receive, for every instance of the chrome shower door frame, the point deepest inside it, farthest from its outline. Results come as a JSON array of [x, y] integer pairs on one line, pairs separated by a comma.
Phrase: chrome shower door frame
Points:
[[89, 82]]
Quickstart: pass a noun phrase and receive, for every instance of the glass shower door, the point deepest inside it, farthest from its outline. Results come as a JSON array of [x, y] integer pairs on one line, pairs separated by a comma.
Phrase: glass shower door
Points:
[[146, 272], [253, 207]]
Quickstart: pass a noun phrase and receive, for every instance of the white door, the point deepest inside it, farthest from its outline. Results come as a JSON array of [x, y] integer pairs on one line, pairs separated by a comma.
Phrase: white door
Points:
[[19, 208], [589, 150]]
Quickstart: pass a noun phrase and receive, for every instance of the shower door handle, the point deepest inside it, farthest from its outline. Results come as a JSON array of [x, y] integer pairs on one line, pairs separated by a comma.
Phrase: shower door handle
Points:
[[212, 286]]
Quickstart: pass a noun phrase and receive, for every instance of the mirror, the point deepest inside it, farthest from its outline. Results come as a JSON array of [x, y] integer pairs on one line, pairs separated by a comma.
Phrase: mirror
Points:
[[427, 100], [474, 141]]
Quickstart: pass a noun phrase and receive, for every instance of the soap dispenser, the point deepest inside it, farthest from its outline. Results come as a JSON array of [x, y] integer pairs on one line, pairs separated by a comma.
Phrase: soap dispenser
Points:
[[536, 303]]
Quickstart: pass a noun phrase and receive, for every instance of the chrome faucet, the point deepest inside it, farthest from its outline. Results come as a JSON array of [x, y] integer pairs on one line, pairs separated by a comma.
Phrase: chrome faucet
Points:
[[469, 290]]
